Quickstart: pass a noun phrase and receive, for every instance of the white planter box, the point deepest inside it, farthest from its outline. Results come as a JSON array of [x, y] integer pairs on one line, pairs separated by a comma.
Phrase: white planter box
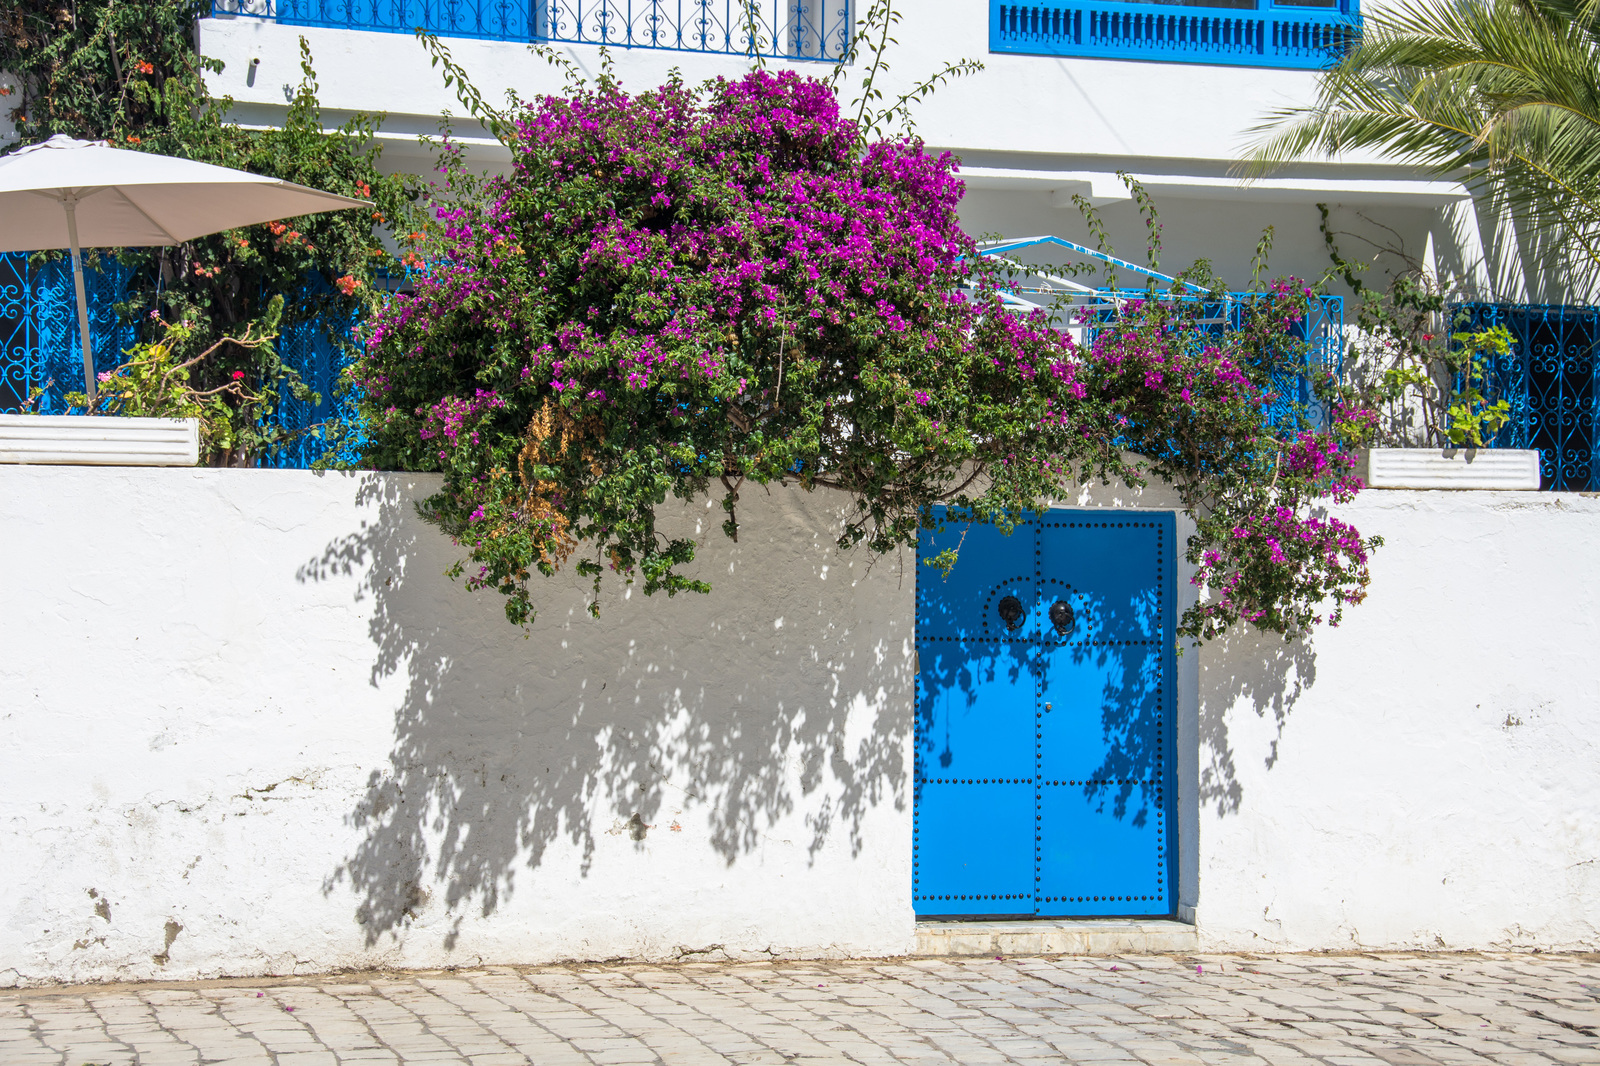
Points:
[[99, 440], [1453, 468]]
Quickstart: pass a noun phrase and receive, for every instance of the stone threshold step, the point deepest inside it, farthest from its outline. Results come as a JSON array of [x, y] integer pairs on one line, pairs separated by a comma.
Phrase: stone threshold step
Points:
[[1058, 936]]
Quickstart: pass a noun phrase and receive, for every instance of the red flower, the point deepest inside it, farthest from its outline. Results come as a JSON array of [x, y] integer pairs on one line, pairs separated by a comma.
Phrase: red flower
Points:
[[238, 375]]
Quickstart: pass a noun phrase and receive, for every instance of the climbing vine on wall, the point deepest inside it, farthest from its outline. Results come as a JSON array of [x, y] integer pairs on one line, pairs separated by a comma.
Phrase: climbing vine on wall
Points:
[[696, 290]]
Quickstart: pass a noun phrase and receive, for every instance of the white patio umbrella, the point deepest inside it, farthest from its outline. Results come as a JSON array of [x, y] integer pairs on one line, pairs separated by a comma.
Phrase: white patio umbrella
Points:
[[115, 198]]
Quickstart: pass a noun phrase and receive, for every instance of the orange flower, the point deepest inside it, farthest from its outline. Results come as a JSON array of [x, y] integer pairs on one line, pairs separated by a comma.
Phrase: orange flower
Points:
[[363, 188], [133, 140], [144, 68], [348, 285], [377, 216]]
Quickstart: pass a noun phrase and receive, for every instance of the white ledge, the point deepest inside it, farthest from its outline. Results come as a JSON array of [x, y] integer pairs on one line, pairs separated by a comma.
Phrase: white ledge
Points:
[[1453, 468], [99, 440]]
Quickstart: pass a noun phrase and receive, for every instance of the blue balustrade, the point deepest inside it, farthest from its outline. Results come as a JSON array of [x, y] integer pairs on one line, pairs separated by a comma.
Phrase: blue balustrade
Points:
[[786, 29], [1293, 393], [1271, 35], [1551, 379]]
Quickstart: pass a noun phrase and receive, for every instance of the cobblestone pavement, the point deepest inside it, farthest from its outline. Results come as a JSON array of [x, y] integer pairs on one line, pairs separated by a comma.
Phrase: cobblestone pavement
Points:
[[1333, 1009]]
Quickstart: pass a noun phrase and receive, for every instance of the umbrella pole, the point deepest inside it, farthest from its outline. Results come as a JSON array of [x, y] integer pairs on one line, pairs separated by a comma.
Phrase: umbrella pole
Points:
[[71, 204]]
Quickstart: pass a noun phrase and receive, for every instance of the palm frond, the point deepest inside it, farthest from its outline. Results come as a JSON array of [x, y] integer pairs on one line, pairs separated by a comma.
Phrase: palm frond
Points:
[[1503, 95]]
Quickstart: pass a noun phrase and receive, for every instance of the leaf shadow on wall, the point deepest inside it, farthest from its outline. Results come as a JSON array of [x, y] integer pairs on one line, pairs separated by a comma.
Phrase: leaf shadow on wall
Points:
[[725, 714], [1245, 667]]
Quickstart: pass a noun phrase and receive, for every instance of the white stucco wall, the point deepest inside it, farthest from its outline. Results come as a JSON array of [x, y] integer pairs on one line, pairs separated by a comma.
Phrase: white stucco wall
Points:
[[247, 726], [1428, 774], [1019, 103]]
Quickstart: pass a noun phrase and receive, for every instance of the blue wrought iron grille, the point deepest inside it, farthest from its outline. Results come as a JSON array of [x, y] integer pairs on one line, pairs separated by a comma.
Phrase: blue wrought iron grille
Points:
[[1551, 379], [1033, 287], [1231, 34], [40, 348], [306, 347], [786, 29]]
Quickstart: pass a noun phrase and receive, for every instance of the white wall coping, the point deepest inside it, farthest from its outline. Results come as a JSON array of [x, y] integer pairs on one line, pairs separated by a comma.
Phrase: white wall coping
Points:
[[99, 440], [1509, 469]]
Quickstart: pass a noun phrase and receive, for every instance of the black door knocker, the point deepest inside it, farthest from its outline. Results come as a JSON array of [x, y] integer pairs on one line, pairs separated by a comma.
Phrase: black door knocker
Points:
[[1063, 617], [1011, 612]]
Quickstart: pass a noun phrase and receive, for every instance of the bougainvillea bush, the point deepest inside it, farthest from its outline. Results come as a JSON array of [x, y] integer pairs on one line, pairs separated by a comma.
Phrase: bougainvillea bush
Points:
[[692, 290]]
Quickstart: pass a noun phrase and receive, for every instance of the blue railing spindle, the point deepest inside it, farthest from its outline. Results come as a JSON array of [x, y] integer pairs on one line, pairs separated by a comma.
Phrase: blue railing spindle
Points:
[[783, 29]]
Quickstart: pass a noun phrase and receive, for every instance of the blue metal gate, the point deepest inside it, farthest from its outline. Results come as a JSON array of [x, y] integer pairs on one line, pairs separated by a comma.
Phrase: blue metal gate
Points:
[[1044, 741]]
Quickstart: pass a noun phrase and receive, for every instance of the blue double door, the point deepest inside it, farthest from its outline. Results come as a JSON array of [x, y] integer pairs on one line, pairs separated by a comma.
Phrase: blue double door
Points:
[[1044, 779]]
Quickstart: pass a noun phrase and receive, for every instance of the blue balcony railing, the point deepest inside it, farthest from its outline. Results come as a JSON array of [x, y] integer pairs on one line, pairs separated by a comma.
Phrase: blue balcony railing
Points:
[[1241, 34], [783, 29]]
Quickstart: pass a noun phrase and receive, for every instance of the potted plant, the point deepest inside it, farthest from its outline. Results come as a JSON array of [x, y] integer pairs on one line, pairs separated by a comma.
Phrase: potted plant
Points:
[[1429, 383], [149, 412], [1469, 422]]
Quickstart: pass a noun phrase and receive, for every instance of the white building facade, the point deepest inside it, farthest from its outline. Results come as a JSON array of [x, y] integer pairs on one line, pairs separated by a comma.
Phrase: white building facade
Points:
[[266, 735], [1070, 95]]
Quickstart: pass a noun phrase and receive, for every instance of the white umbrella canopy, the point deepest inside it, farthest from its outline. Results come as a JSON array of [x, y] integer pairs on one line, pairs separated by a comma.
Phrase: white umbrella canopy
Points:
[[115, 198]]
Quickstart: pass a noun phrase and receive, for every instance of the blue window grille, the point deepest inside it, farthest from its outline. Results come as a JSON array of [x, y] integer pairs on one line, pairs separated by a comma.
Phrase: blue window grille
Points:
[[1238, 33], [783, 29], [1551, 378], [306, 347], [40, 352]]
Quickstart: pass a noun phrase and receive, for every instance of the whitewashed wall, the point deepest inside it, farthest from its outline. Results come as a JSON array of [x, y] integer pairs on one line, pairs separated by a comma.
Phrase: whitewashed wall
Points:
[[1428, 775], [246, 726]]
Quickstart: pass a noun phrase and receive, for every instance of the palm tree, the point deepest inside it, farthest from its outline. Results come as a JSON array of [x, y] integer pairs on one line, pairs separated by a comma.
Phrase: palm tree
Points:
[[1503, 95]]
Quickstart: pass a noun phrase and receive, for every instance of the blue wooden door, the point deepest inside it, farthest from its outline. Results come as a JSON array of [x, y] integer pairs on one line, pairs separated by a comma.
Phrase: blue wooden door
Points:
[[1044, 743]]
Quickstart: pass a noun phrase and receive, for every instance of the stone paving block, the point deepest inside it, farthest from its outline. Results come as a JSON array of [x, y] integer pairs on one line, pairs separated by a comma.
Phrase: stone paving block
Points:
[[1240, 1010]]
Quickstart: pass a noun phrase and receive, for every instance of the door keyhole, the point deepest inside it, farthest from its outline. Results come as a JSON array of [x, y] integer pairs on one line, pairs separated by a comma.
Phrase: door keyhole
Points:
[[1063, 617], [1011, 612]]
